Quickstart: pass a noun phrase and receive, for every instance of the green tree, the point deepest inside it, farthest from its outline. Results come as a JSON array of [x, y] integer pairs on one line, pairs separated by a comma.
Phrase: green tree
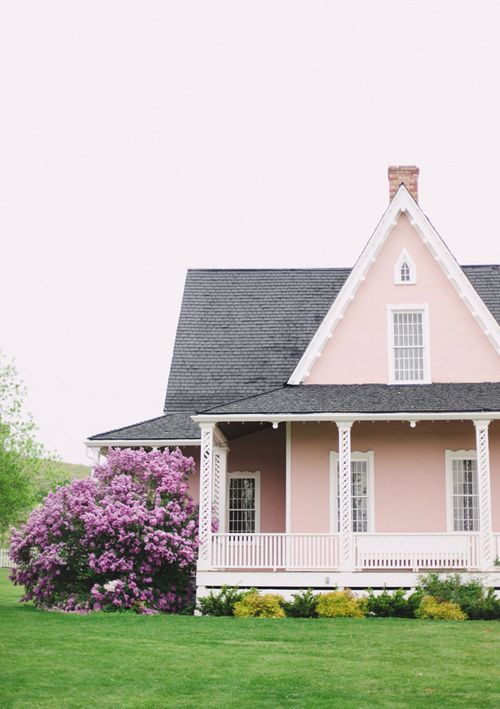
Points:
[[27, 471]]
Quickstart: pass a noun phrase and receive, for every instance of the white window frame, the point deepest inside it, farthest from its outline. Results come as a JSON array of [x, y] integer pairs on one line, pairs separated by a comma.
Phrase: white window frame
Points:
[[409, 308], [369, 457], [244, 474], [450, 456], [405, 256]]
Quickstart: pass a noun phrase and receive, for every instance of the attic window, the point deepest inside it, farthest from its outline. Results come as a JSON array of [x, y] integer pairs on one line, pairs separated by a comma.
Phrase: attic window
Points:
[[405, 272]]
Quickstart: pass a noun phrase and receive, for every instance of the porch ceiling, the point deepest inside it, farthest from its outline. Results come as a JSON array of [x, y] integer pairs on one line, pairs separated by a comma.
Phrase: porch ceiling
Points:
[[369, 399]]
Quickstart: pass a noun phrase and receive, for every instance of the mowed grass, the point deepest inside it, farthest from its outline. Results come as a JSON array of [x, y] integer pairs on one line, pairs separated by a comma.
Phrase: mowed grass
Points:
[[51, 659]]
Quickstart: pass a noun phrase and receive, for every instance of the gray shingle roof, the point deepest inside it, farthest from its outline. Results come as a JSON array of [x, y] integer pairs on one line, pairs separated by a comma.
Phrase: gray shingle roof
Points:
[[369, 398], [242, 332], [160, 428]]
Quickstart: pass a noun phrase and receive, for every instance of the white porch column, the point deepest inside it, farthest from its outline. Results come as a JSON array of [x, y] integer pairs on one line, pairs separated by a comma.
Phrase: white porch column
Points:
[[484, 490], [219, 486], [206, 486], [345, 496]]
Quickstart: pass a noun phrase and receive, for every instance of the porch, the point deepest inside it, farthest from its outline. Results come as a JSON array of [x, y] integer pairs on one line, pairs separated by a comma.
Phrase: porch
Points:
[[329, 483]]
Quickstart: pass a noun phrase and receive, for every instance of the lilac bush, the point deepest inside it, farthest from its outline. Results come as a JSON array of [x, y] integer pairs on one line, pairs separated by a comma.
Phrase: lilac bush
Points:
[[125, 538]]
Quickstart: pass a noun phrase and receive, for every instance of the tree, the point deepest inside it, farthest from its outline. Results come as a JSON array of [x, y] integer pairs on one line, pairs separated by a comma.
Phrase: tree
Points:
[[124, 538], [26, 470]]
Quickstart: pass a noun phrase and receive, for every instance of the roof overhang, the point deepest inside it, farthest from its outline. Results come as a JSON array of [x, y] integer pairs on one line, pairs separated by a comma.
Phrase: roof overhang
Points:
[[144, 443], [334, 417]]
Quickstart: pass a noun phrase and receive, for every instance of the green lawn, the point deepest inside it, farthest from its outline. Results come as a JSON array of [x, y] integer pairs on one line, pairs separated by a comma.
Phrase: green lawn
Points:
[[60, 660]]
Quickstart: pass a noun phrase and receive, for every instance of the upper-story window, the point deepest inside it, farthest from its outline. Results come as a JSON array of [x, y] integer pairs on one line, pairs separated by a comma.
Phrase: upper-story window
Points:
[[408, 345], [405, 272]]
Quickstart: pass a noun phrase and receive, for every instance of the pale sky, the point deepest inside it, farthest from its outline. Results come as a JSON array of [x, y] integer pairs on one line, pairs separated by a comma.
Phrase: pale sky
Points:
[[138, 139]]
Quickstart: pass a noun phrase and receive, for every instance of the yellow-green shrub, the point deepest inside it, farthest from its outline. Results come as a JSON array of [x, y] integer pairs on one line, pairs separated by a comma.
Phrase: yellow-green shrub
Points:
[[435, 609], [341, 604], [254, 605]]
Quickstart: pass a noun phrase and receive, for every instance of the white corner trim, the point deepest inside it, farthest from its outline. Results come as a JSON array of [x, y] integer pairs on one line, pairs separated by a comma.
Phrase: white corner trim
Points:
[[406, 307], [403, 202], [143, 443], [405, 256], [450, 456]]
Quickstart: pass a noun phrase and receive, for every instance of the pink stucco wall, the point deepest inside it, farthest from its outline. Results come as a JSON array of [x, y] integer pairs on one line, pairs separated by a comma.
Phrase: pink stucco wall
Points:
[[358, 349], [409, 472]]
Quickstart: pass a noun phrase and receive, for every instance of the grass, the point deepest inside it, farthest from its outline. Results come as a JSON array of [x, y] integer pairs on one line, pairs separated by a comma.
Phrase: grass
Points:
[[52, 659]]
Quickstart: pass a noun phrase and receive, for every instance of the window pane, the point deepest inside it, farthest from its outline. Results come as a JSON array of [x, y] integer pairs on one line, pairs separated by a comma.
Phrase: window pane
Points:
[[242, 505], [359, 491], [465, 501], [408, 346]]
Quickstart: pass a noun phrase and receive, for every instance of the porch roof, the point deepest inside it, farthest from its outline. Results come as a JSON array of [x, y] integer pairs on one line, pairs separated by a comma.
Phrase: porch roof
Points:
[[368, 398], [175, 426]]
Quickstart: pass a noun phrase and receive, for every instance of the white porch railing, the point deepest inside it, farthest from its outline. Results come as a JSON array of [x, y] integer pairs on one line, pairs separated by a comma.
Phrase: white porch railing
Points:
[[275, 551], [416, 551], [412, 552]]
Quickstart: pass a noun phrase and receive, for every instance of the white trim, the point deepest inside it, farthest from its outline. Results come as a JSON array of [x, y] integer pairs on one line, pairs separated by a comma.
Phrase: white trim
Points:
[[450, 456], [288, 478], [403, 202], [336, 416], [416, 308], [405, 256], [333, 475], [143, 443], [244, 474]]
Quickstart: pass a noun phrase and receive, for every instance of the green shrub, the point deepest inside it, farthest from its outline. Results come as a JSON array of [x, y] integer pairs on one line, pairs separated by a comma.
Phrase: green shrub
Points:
[[393, 605], [341, 604], [434, 609], [255, 605], [221, 603], [478, 602], [302, 605]]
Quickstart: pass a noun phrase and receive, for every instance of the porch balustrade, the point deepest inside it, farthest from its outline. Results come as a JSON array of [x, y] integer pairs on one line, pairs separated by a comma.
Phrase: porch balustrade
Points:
[[275, 551], [413, 552]]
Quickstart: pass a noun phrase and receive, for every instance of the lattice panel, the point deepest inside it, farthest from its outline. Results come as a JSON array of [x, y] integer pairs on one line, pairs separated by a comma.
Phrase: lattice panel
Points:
[[483, 479], [205, 489], [218, 475], [345, 491]]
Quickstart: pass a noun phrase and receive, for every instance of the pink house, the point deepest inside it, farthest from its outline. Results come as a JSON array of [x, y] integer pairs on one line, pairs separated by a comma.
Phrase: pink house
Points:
[[345, 422]]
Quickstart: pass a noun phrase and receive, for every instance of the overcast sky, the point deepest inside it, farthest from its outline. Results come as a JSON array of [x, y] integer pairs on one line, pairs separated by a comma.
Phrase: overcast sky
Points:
[[138, 139]]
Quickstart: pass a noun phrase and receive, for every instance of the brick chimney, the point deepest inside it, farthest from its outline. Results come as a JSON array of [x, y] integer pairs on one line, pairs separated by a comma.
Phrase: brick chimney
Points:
[[406, 175]]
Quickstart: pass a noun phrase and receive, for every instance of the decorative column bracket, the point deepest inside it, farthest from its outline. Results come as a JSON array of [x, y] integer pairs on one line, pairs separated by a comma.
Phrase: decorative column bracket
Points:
[[484, 491], [345, 496]]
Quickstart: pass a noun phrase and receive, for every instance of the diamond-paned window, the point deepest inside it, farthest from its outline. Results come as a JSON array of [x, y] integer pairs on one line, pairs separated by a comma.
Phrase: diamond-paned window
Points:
[[408, 345]]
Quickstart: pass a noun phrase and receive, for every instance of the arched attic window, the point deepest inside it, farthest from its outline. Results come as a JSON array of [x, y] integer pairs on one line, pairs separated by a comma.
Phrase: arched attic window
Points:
[[405, 272]]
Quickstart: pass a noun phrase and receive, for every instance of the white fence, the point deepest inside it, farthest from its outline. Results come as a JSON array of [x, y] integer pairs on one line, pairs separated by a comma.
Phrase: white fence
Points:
[[275, 551], [5, 561], [412, 552]]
